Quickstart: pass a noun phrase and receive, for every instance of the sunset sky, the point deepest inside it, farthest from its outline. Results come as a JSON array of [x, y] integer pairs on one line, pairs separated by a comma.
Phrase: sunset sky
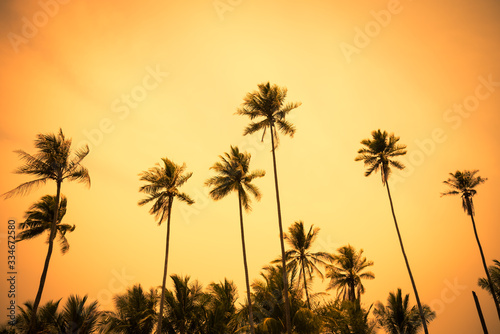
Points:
[[141, 81]]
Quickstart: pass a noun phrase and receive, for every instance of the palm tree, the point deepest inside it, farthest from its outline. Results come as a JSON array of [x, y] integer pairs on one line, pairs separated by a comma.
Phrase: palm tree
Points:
[[268, 103], [39, 220], [234, 175], [135, 312], [163, 183], [346, 317], [347, 271], [222, 307], [79, 317], [398, 318], [379, 153], [269, 309], [48, 319], [463, 184], [185, 307], [53, 161], [495, 278], [301, 257]]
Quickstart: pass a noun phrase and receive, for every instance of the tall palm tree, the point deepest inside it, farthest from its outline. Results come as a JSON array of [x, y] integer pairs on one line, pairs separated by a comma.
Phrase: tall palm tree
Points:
[[234, 175], [134, 312], [463, 184], [398, 318], [268, 104], [301, 257], [53, 161], [163, 183], [39, 220], [347, 271], [379, 153], [495, 278]]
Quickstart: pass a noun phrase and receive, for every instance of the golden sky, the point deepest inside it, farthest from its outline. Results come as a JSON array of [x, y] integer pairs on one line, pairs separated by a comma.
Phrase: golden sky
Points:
[[142, 81]]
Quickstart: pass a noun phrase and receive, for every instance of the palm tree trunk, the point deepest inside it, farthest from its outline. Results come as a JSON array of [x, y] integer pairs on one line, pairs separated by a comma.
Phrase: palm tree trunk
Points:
[[283, 260], [492, 287], [53, 231], [420, 310], [160, 315], [250, 311], [305, 287]]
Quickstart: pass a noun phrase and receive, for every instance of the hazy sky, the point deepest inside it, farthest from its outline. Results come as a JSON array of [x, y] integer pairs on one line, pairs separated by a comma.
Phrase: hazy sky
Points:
[[142, 81]]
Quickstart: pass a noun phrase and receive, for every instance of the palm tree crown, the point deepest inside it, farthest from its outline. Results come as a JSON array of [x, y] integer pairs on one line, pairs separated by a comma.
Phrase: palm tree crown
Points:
[[234, 175], [463, 184], [300, 255], [268, 103], [378, 153], [347, 271], [52, 162], [398, 317], [39, 220], [163, 186]]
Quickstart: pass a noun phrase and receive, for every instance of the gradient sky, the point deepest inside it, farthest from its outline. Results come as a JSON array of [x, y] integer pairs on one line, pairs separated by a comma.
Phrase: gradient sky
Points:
[[87, 69]]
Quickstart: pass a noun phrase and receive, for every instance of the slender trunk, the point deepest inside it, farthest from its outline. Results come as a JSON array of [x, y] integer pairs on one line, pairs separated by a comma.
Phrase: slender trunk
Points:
[[305, 287], [53, 231], [420, 310], [283, 260], [160, 315], [250, 311], [492, 287], [480, 313]]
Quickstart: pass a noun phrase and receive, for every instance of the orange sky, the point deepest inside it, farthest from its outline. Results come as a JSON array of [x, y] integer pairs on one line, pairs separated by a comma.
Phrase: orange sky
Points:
[[87, 67]]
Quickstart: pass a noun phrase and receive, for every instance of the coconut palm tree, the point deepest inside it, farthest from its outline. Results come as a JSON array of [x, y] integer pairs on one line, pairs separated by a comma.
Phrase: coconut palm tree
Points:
[[398, 318], [48, 319], [163, 183], [300, 255], [234, 175], [39, 220], [347, 272], [463, 183], [269, 310], [495, 278], [378, 153], [268, 104], [221, 308], [134, 312], [185, 307], [347, 317], [53, 161], [78, 316]]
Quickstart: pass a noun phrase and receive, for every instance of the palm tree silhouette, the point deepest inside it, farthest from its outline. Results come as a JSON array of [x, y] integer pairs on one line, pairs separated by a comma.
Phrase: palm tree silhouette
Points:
[[397, 317], [463, 184], [301, 256], [135, 312], [39, 219], [185, 306], [269, 103], [222, 307], [78, 316], [347, 271], [494, 271], [163, 183], [53, 161], [234, 175], [378, 153]]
